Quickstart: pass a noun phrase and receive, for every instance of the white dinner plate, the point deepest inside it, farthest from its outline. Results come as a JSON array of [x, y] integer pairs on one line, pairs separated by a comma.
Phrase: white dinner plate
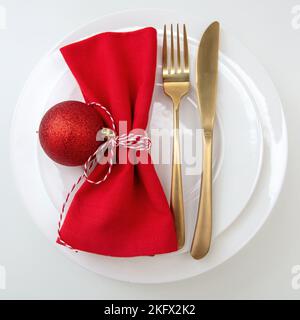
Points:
[[249, 155]]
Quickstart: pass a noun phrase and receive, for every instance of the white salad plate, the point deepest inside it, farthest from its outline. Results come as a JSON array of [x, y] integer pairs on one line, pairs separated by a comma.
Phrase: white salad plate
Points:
[[250, 151]]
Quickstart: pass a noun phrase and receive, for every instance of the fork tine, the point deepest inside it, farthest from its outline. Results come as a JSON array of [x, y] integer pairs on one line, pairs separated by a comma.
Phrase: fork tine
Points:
[[186, 51], [172, 51], [165, 52], [178, 51]]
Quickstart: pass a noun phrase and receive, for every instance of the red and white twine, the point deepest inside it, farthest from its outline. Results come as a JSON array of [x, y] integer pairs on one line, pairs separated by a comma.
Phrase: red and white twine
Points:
[[132, 141]]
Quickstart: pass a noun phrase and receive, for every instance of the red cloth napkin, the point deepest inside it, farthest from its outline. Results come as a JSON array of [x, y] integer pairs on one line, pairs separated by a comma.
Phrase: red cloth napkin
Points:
[[128, 215]]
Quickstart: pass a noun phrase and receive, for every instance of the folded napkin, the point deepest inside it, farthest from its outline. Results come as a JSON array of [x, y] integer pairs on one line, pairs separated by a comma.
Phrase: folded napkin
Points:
[[127, 215]]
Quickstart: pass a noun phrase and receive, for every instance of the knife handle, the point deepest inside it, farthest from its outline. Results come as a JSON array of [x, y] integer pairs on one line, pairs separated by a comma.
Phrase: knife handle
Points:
[[202, 237], [176, 203]]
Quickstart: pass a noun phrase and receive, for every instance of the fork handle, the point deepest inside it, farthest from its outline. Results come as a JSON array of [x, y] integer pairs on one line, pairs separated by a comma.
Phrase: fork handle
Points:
[[176, 204], [202, 237]]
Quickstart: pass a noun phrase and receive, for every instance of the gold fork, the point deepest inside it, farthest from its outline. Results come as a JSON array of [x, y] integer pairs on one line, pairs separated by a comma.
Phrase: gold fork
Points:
[[176, 83]]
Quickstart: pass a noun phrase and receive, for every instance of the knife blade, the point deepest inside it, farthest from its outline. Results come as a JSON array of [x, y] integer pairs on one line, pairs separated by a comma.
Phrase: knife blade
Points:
[[207, 75], [206, 80]]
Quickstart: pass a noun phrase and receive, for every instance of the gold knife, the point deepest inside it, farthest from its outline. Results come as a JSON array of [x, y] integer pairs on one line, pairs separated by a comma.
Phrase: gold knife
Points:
[[207, 79]]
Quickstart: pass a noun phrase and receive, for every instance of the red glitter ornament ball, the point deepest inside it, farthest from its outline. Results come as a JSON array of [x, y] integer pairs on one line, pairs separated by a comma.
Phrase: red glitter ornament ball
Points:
[[68, 132]]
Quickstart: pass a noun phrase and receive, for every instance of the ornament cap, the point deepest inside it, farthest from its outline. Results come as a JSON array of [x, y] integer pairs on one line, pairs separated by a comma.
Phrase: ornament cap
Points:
[[108, 133]]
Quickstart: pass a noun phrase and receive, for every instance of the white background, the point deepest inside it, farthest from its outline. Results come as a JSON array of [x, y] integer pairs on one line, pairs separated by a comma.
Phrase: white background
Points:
[[262, 270]]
